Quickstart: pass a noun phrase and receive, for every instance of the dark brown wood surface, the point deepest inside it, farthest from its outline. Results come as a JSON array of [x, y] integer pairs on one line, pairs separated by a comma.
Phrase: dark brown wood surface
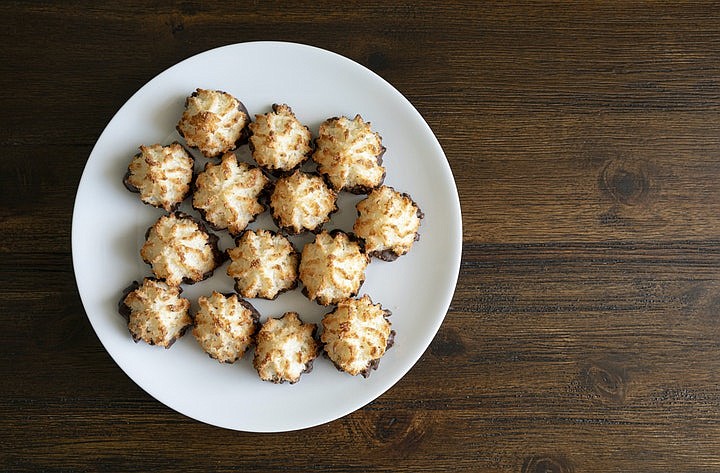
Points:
[[584, 334]]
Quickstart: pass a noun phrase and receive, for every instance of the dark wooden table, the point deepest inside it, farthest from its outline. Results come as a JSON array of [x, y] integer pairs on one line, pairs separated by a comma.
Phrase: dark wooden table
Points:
[[584, 334]]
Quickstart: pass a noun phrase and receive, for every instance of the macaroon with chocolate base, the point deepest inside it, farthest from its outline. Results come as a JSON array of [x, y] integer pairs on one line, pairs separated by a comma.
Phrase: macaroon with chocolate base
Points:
[[155, 312], [332, 267], [388, 222], [279, 143], [214, 122], [302, 202], [263, 264], [225, 325], [285, 349], [228, 195], [180, 249], [349, 154], [356, 335], [161, 175]]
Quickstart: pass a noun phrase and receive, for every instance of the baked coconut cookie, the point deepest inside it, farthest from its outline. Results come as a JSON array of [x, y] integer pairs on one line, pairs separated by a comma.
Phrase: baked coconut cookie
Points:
[[285, 349], [302, 202], [332, 268], [161, 175], [263, 264], [155, 312], [180, 249], [227, 194], [388, 222], [350, 154], [279, 142], [356, 335], [214, 122], [225, 325]]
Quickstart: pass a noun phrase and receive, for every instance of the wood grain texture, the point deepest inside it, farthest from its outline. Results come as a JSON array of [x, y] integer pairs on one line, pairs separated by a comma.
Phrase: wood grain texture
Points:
[[584, 334]]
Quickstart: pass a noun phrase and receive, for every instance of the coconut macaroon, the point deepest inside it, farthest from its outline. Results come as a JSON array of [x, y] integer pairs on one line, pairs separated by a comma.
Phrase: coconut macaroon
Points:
[[285, 349], [302, 201], [332, 267], [155, 312], [213, 122], [161, 175], [227, 194], [225, 325], [388, 222], [349, 153], [279, 142], [263, 264], [180, 249], [356, 335]]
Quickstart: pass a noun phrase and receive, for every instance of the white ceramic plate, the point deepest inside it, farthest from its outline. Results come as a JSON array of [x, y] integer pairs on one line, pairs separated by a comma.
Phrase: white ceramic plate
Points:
[[109, 224]]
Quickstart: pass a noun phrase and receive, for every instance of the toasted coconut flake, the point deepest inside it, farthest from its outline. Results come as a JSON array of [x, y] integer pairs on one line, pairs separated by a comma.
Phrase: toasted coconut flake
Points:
[[179, 249], [224, 326], [156, 313], [213, 122], [302, 201], [356, 335], [227, 194], [286, 348], [279, 142], [332, 267], [263, 264], [349, 153]]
